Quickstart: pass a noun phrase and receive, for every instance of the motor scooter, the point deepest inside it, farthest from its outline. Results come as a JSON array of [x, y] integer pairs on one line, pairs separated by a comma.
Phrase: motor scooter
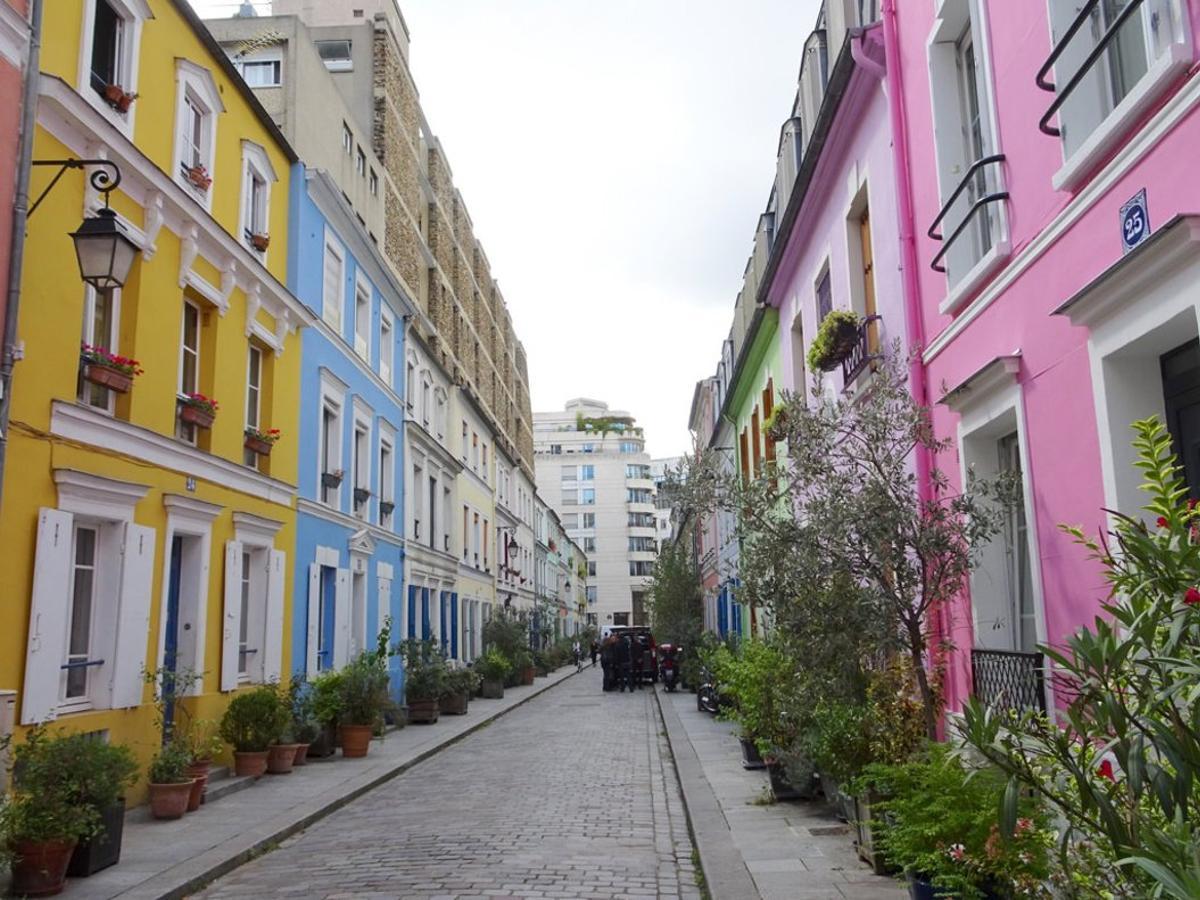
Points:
[[707, 698], [668, 668]]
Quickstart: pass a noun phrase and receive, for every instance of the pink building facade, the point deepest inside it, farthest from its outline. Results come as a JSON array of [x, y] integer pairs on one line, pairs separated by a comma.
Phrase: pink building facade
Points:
[[1048, 151]]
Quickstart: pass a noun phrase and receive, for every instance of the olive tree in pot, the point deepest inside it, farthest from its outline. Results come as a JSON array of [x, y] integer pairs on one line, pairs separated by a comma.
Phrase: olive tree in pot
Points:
[[252, 722], [364, 699], [170, 783], [494, 668], [425, 675], [460, 686]]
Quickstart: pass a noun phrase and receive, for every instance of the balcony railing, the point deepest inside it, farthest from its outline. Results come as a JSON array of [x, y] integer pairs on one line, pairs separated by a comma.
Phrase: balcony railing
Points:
[[1008, 680], [1061, 96], [860, 355], [969, 178]]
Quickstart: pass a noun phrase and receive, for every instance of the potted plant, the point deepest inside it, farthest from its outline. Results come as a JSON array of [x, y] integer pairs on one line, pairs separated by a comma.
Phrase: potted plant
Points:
[[332, 480], [305, 727], [41, 829], [203, 745], [196, 409], [199, 178], [326, 695], [386, 507], [260, 242], [170, 783], [364, 699], [260, 441], [361, 495], [281, 755], [424, 679], [253, 721], [118, 98], [838, 745], [836, 337], [523, 663], [493, 668], [106, 369], [461, 684]]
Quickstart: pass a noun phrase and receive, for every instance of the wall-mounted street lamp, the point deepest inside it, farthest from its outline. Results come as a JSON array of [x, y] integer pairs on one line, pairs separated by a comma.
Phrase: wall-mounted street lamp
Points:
[[102, 247]]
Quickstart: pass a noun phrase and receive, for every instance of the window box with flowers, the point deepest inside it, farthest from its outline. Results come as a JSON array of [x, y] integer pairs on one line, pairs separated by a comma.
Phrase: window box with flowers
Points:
[[261, 441], [836, 338], [99, 366], [260, 242], [198, 410], [199, 178], [118, 98]]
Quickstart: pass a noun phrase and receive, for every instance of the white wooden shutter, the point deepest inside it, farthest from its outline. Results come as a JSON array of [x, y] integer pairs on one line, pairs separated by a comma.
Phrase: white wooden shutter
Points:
[[341, 619], [133, 616], [332, 288], [231, 628], [273, 650], [384, 608], [314, 619], [45, 651]]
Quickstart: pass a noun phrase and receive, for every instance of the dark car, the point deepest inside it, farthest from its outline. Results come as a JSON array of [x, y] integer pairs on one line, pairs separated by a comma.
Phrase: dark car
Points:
[[642, 635]]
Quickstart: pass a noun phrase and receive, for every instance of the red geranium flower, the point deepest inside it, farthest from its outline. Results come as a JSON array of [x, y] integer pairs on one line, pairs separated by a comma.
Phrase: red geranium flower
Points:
[[1192, 597], [1106, 771], [1162, 522]]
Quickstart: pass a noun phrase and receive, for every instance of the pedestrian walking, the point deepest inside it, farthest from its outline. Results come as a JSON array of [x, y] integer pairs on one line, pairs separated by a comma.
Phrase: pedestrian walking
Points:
[[624, 654], [595, 648], [608, 664], [577, 655]]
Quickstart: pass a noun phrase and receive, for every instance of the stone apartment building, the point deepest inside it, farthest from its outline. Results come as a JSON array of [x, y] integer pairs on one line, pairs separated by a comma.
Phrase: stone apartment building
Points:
[[594, 472]]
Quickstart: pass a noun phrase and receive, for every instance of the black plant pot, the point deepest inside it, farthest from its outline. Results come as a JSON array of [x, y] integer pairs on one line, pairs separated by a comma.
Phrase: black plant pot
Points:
[[331, 480], [784, 789], [751, 758], [325, 743], [104, 849]]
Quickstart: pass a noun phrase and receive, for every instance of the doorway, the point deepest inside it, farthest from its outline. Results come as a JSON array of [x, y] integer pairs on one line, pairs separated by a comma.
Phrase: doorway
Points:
[[1181, 401]]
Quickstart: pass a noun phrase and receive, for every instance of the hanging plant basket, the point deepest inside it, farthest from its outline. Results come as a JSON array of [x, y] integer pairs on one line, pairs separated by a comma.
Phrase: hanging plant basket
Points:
[[361, 495], [331, 480], [109, 377], [386, 507], [116, 97], [836, 338]]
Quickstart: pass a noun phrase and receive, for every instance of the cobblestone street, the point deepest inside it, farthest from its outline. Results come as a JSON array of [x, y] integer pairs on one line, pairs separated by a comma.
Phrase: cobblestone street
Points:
[[571, 795]]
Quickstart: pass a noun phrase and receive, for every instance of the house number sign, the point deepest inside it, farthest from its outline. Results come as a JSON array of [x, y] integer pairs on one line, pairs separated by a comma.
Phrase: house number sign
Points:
[[1135, 221]]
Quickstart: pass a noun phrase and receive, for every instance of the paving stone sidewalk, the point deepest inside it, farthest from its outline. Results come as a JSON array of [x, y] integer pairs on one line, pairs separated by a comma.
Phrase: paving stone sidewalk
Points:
[[169, 859], [750, 848], [572, 795]]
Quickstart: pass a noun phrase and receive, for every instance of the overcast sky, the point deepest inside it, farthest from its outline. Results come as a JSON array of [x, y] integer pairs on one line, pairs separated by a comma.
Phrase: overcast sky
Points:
[[614, 157]]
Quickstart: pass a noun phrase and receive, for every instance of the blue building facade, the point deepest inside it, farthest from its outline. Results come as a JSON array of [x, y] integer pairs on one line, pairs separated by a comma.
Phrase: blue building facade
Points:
[[349, 553]]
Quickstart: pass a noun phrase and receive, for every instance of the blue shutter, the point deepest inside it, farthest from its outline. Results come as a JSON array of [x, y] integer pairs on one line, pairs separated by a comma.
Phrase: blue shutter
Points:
[[443, 636], [412, 610], [454, 625], [425, 621]]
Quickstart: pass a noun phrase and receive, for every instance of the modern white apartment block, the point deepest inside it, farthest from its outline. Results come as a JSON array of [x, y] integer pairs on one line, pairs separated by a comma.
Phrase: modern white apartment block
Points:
[[594, 472], [664, 512]]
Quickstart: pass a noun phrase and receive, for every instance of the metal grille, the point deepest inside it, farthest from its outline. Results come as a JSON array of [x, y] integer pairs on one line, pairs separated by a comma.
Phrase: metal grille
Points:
[[1006, 680], [860, 357]]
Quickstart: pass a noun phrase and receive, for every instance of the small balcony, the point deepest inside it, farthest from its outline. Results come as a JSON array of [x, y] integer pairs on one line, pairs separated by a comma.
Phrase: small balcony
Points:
[[1006, 680], [863, 351]]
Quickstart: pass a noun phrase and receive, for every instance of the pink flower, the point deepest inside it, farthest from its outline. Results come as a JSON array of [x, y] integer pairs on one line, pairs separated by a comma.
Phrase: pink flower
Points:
[[1192, 597], [957, 852], [1024, 825], [1106, 771], [1162, 522]]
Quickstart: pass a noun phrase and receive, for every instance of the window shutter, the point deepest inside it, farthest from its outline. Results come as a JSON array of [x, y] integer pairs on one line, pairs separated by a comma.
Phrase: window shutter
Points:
[[411, 623], [454, 626], [44, 653], [384, 608], [133, 616], [332, 287], [341, 619], [273, 638], [231, 631], [314, 619]]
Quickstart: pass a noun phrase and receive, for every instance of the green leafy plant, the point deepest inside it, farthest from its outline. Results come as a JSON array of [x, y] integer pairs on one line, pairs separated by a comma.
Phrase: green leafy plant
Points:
[[461, 681], [170, 764], [58, 784], [425, 670], [828, 348], [1121, 763], [326, 693], [493, 666], [305, 725], [364, 691], [757, 679], [254, 720], [838, 743]]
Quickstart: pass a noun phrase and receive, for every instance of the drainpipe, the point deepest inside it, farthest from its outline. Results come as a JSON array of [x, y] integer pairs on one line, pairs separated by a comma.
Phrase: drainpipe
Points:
[[910, 262], [20, 217]]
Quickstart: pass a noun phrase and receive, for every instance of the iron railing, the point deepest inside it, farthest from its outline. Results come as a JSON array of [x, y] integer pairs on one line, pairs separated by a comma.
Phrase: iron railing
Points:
[[969, 178], [860, 356], [1060, 96], [1009, 680]]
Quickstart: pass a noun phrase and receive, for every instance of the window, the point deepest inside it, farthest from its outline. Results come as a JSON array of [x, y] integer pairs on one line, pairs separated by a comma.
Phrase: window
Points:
[[484, 462], [440, 418], [260, 73], [418, 500], [630, 447], [257, 177], [387, 347], [475, 538], [433, 501], [244, 649], [360, 163], [410, 382], [361, 478], [638, 495], [591, 593], [335, 55], [198, 103], [642, 545], [426, 397], [373, 183], [556, 449], [189, 363], [466, 539], [569, 473], [640, 568], [1016, 551], [80, 626], [824, 296], [253, 400], [99, 331], [637, 471], [587, 497], [587, 473], [464, 440], [387, 494], [589, 520], [591, 569], [589, 545], [347, 139], [334, 284], [331, 452], [474, 452], [362, 319], [108, 49], [589, 448]]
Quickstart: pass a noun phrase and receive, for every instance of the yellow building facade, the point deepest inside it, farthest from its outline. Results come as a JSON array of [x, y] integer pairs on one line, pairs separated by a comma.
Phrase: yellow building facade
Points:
[[135, 541]]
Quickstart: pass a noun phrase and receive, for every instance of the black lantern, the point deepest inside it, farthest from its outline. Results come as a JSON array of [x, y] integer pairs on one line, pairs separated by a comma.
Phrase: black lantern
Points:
[[104, 251]]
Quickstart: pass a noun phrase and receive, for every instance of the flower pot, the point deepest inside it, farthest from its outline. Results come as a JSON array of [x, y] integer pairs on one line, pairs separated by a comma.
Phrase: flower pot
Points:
[[104, 849], [492, 690], [251, 763], [454, 704], [260, 242], [783, 789], [258, 445], [40, 867], [325, 743], [423, 711], [331, 480], [170, 801], [867, 834], [196, 794], [356, 740], [301, 757], [921, 888], [361, 495], [528, 674], [386, 507], [281, 758], [833, 795], [751, 758], [195, 415], [199, 769], [199, 178], [107, 376], [113, 94]]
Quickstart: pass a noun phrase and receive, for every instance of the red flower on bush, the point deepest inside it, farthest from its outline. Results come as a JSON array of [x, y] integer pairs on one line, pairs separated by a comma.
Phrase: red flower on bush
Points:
[[1106, 771], [101, 356], [1162, 522], [1192, 597], [198, 400]]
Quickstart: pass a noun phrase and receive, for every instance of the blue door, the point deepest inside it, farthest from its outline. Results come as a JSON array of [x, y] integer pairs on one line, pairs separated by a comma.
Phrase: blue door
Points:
[[328, 613], [426, 621], [454, 625], [171, 648], [443, 603], [412, 611]]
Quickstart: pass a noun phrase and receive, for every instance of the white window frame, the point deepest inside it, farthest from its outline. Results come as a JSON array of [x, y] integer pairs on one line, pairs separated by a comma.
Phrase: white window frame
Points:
[[197, 84], [426, 397], [109, 342], [410, 381], [953, 18], [332, 307], [363, 423], [333, 398], [387, 474], [134, 13], [255, 537], [253, 400], [256, 166], [387, 343], [441, 413], [363, 294], [188, 432], [269, 56]]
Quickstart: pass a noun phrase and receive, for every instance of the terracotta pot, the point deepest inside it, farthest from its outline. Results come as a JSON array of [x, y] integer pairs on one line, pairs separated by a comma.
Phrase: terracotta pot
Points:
[[196, 794], [423, 711], [528, 674], [113, 93], [199, 769], [301, 757], [280, 759], [492, 690], [107, 376], [250, 763], [170, 801], [194, 415], [356, 740], [260, 242], [258, 445], [40, 867], [454, 704]]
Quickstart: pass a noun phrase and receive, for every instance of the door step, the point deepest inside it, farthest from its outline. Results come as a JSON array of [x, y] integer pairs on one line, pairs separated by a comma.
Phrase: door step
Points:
[[222, 782]]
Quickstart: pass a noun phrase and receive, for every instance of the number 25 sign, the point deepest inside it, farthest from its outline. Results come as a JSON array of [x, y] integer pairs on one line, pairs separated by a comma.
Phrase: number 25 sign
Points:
[[1135, 221]]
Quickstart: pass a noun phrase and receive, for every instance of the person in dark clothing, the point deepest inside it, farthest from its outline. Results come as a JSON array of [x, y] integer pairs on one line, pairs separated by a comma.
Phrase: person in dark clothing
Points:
[[624, 655], [607, 663], [636, 659], [595, 649]]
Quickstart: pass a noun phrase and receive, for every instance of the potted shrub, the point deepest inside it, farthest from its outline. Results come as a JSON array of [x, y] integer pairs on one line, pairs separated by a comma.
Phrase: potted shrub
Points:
[[523, 662], [305, 727], [326, 694], [836, 337], [838, 745], [361, 495], [364, 699], [493, 668], [259, 441], [170, 783], [203, 745], [425, 675], [198, 410], [461, 685], [253, 721], [106, 369], [41, 831]]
